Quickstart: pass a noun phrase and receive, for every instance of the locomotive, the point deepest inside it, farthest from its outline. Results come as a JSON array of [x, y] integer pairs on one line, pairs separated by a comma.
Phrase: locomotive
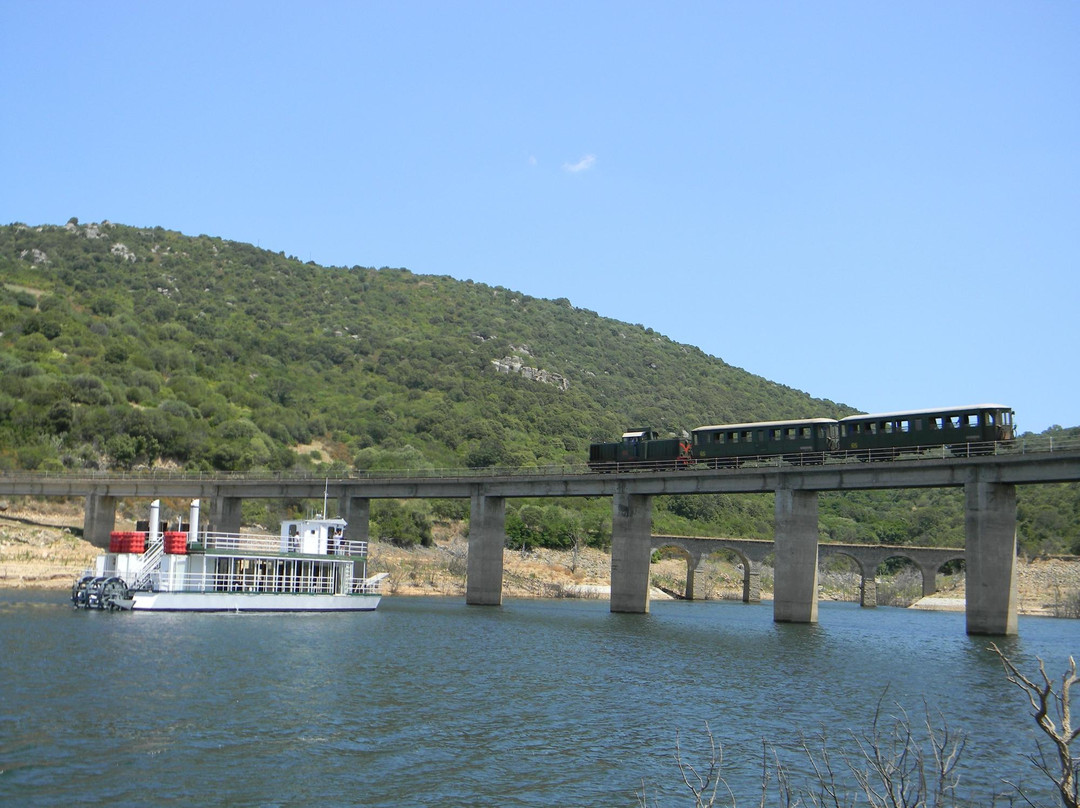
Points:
[[963, 431]]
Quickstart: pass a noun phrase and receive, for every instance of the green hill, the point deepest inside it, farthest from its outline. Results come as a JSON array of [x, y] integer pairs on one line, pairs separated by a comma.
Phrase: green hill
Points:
[[125, 348], [130, 347]]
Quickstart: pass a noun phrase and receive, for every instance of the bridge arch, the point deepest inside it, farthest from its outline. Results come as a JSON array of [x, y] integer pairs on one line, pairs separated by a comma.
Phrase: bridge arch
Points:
[[751, 554]]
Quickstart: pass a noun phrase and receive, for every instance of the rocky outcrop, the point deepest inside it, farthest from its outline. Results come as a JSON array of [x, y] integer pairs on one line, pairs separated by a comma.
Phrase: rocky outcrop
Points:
[[515, 364]]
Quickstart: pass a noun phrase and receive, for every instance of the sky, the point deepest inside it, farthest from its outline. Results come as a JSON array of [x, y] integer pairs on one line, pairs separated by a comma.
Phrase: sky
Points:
[[876, 203]]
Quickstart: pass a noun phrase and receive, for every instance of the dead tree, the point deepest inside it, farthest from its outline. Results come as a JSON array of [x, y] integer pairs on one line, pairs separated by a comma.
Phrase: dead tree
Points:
[[1052, 712]]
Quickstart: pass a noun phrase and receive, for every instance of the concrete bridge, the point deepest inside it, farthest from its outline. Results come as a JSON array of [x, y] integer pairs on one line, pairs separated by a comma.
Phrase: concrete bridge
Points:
[[989, 484], [752, 553]]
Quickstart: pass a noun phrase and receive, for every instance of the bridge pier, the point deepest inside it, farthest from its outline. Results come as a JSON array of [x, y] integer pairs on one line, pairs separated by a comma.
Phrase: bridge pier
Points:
[[751, 582], [868, 589], [99, 519], [990, 557], [929, 580], [487, 538], [795, 592], [693, 564], [225, 515], [631, 551], [356, 511]]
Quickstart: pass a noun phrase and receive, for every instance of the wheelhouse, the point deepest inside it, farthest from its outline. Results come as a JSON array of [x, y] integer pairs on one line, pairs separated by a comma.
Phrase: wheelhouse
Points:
[[763, 438], [977, 423]]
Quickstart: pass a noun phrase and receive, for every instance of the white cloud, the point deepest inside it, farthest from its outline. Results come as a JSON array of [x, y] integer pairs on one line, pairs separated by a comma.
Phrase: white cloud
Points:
[[584, 164]]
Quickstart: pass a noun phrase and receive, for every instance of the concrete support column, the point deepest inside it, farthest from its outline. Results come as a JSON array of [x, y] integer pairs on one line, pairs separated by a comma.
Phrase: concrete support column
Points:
[[356, 511], [225, 515], [868, 590], [990, 557], [99, 519], [795, 591], [751, 582], [631, 552], [487, 538]]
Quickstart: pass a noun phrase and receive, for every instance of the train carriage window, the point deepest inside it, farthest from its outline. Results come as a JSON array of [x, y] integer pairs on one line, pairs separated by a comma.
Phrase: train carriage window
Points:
[[973, 420], [918, 425], [873, 427], [905, 425], [954, 421], [791, 433], [807, 432], [774, 434], [937, 423], [888, 427], [989, 417]]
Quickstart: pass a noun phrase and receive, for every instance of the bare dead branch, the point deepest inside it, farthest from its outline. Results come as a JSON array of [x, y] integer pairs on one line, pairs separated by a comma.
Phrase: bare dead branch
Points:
[[1052, 711]]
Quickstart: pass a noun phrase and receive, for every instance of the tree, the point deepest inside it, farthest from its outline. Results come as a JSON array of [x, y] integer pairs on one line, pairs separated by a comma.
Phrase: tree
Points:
[[1053, 715]]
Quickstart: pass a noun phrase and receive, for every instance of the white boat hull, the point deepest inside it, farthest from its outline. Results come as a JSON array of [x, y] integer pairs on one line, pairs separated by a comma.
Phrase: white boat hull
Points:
[[249, 602]]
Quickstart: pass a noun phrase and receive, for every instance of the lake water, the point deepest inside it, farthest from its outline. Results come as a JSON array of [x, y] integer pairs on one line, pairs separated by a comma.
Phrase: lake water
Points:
[[429, 702]]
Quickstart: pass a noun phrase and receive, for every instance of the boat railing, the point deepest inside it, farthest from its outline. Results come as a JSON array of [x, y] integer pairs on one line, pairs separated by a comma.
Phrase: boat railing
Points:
[[349, 548], [265, 543], [265, 584], [368, 586]]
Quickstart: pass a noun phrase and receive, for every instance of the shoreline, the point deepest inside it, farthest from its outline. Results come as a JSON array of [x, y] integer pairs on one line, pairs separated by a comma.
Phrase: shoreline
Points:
[[39, 550]]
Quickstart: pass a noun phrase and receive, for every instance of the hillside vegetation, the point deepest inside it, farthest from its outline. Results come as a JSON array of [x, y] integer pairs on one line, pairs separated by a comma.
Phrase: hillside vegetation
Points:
[[138, 348]]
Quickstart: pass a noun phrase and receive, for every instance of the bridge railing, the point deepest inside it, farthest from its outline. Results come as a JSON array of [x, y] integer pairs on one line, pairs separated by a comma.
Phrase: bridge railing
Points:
[[1021, 446]]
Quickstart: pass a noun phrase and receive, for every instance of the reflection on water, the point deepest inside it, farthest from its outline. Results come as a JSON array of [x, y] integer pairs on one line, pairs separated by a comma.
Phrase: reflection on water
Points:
[[431, 702]]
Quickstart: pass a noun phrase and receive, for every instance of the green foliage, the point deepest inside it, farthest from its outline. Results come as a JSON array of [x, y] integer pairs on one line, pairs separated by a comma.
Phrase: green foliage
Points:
[[404, 524], [211, 354]]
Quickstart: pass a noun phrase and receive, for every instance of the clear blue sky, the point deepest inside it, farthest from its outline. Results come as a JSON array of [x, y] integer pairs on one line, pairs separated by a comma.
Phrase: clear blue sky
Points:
[[877, 203]]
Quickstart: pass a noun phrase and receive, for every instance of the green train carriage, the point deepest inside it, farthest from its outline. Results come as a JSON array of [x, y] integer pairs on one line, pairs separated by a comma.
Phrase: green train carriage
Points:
[[973, 429], [801, 441]]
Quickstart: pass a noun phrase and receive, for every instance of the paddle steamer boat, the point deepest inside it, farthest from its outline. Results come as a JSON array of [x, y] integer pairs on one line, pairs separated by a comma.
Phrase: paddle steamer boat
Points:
[[309, 566]]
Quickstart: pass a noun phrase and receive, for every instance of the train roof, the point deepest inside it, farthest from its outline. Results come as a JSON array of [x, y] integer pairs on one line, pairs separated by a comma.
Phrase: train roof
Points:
[[756, 424], [930, 411]]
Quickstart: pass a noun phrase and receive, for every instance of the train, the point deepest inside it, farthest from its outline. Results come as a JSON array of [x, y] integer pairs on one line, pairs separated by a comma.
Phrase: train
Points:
[[971, 430]]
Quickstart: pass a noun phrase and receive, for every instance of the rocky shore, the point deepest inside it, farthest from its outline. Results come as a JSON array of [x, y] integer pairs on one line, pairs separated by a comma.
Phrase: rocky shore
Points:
[[42, 549]]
